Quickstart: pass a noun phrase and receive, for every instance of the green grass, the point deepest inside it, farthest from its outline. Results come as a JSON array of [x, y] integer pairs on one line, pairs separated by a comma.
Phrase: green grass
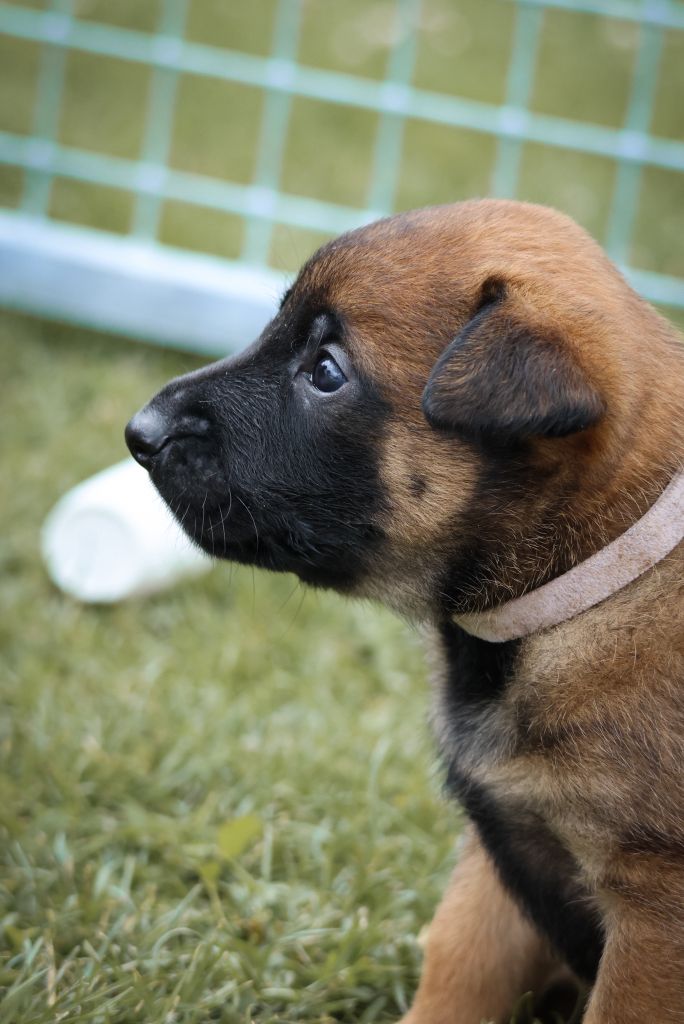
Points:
[[215, 804]]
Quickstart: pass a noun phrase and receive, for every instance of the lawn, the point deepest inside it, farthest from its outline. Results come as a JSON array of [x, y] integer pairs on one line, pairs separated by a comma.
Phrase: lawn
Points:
[[221, 803], [215, 804]]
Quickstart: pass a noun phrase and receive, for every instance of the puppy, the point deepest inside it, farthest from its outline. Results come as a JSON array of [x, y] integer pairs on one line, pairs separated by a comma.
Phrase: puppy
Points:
[[455, 410]]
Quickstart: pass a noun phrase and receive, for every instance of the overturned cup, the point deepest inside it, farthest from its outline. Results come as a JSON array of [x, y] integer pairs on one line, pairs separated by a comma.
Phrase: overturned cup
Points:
[[112, 537]]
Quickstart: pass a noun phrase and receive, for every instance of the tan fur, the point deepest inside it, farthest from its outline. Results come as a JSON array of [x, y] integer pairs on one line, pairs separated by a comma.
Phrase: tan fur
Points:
[[590, 731], [408, 456], [639, 981], [481, 953]]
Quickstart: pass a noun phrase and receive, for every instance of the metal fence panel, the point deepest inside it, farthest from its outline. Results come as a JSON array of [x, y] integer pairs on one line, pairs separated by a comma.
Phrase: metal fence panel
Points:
[[138, 286]]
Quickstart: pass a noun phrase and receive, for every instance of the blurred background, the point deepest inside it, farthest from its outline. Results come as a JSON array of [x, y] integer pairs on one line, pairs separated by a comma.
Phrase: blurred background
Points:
[[219, 802]]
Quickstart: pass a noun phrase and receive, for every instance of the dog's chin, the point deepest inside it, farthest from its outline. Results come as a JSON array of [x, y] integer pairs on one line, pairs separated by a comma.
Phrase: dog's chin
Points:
[[263, 550], [229, 526]]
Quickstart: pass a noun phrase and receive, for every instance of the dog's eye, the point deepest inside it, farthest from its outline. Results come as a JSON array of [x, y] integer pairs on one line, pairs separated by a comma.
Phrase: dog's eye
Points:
[[326, 375]]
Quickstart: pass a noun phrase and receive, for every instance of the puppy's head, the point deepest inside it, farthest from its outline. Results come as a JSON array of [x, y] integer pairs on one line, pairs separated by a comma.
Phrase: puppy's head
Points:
[[432, 386]]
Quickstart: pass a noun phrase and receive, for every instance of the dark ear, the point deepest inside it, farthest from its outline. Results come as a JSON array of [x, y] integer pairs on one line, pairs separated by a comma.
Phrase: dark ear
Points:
[[508, 378]]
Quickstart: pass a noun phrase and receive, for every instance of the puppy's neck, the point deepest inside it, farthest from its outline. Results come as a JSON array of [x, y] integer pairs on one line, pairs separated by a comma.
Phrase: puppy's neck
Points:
[[646, 542]]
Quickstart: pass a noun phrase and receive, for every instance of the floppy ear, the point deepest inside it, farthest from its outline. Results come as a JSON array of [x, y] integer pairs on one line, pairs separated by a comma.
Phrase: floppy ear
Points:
[[507, 377]]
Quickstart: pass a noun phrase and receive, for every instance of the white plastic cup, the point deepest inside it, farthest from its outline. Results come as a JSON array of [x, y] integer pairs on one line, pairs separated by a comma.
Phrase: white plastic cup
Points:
[[112, 537]]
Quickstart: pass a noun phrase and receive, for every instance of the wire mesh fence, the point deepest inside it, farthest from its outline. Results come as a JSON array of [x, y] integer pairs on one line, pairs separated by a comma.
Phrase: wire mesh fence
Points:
[[162, 161]]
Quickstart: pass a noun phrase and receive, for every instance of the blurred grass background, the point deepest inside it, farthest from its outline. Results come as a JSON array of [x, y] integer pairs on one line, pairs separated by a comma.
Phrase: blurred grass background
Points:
[[219, 803], [216, 803]]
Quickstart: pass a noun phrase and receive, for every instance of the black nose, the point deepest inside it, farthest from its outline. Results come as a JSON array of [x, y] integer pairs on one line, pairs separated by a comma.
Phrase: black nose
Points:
[[146, 435]]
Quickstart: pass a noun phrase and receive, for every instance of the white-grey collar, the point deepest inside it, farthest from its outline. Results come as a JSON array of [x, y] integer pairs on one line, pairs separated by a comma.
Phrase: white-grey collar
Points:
[[644, 544]]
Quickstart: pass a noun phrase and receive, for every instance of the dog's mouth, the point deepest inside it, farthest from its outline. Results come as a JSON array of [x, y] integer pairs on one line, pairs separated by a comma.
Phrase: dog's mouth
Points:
[[285, 547], [215, 528], [224, 525], [262, 531]]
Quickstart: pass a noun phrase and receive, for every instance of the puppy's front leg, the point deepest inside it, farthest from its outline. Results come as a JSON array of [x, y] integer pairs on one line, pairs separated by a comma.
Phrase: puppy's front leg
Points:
[[481, 953], [641, 977]]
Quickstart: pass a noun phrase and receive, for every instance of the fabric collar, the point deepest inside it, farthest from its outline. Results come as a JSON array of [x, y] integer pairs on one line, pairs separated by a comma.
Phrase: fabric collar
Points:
[[644, 544]]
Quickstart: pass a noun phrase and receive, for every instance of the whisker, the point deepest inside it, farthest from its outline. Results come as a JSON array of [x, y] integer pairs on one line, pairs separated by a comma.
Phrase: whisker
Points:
[[256, 531], [204, 505], [223, 519]]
